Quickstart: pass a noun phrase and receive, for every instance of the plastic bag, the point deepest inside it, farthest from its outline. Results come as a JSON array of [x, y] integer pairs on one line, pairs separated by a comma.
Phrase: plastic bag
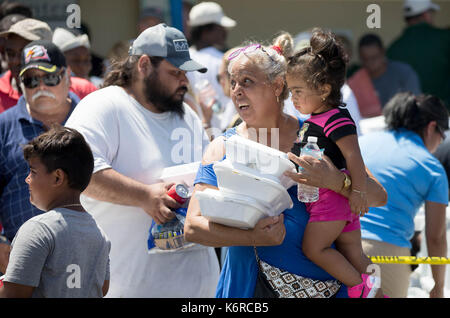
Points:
[[170, 235]]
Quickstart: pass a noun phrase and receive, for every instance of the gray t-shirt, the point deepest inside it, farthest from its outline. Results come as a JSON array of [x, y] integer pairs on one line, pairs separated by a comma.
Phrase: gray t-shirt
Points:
[[63, 253], [399, 77]]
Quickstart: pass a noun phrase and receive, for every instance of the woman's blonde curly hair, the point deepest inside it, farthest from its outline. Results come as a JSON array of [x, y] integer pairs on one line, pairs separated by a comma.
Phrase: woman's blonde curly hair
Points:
[[272, 59]]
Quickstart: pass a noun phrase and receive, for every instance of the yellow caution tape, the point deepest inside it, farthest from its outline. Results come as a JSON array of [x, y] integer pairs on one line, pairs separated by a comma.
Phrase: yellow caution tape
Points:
[[410, 260]]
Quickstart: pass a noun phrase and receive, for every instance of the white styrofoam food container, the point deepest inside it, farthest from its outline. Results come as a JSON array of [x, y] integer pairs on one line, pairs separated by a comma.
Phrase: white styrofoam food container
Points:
[[266, 160], [250, 183], [230, 209], [184, 173]]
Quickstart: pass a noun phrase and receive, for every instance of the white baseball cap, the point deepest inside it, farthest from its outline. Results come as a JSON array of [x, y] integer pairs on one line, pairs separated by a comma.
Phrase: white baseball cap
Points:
[[416, 7], [66, 40], [209, 12]]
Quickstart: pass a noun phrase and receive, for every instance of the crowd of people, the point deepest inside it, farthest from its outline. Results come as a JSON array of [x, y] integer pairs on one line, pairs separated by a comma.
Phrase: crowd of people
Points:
[[83, 148]]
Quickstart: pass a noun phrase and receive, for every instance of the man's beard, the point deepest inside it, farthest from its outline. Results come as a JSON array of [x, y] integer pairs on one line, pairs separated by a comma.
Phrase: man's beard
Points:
[[158, 96]]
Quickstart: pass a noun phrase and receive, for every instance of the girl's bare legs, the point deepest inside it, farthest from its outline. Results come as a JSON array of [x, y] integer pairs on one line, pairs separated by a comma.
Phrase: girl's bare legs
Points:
[[349, 244], [317, 241]]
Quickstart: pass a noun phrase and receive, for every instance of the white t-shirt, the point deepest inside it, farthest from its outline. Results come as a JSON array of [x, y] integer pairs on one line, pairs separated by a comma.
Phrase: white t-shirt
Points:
[[211, 58], [138, 143]]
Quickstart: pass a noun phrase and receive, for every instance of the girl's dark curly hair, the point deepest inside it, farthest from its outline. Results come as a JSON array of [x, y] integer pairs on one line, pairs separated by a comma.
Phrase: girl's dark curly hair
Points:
[[323, 62]]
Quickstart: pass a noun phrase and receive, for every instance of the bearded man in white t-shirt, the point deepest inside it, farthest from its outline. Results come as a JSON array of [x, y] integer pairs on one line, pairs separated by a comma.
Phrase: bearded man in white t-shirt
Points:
[[136, 126]]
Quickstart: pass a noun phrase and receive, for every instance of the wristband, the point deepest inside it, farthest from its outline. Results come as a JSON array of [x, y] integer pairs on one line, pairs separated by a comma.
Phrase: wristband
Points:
[[361, 193]]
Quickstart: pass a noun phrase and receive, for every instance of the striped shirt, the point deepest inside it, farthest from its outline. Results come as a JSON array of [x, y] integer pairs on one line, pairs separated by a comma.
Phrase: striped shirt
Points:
[[329, 127], [17, 127]]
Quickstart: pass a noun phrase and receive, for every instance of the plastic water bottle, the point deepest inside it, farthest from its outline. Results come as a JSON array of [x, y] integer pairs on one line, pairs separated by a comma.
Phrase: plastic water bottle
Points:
[[307, 193], [206, 94]]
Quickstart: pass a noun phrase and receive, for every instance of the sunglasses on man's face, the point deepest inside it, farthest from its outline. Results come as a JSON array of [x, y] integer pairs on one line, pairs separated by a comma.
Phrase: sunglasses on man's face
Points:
[[48, 79]]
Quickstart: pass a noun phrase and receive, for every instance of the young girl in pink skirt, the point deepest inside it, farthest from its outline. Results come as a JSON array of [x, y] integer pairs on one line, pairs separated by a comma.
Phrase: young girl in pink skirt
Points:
[[315, 77]]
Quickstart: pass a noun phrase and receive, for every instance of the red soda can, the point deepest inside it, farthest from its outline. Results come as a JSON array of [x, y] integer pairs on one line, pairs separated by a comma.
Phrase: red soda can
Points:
[[179, 192]]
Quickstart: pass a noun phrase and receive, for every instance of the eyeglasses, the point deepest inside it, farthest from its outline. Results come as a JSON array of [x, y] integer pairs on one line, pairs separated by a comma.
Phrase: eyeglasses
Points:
[[248, 49], [441, 132], [48, 79]]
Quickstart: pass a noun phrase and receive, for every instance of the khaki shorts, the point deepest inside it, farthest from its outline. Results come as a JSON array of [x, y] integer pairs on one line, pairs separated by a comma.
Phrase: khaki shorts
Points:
[[394, 277]]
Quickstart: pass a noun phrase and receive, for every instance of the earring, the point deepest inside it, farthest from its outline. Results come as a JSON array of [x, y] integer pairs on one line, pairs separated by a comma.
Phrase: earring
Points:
[[278, 99]]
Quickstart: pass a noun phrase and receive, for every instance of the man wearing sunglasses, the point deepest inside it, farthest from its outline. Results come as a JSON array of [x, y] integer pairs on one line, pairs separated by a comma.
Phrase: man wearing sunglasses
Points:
[[44, 81], [17, 37]]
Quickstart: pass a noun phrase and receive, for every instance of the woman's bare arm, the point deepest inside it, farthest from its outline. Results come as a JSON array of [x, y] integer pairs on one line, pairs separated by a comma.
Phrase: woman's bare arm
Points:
[[355, 165], [436, 236], [323, 174]]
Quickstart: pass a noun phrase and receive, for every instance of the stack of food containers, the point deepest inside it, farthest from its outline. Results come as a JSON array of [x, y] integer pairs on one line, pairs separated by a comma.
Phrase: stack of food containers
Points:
[[251, 184]]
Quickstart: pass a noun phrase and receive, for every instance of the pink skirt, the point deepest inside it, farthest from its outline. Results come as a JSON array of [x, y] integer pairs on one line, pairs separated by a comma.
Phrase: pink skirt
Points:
[[332, 206]]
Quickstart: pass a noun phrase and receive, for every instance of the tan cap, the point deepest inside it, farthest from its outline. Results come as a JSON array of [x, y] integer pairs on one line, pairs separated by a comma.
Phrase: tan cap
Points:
[[31, 30]]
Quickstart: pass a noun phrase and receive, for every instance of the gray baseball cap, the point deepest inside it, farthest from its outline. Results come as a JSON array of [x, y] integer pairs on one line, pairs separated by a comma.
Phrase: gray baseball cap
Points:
[[167, 42], [31, 30]]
